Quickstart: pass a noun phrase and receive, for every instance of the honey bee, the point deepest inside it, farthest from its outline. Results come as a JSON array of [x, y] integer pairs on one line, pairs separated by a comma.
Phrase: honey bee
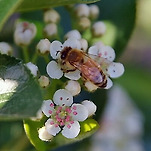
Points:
[[72, 59]]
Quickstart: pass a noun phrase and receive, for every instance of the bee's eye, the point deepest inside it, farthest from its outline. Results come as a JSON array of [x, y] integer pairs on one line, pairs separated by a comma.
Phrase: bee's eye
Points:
[[65, 52], [63, 56]]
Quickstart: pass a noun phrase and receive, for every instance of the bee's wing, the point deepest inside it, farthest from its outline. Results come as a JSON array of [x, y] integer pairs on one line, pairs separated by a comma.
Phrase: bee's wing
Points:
[[101, 61]]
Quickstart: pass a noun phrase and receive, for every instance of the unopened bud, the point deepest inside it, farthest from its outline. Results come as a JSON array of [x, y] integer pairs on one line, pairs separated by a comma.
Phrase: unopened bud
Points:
[[43, 46], [51, 30], [84, 23], [90, 86], [51, 16], [84, 44], [33, 68], [44, 81], [94, 11], [82, 10], [24, 33], [73, 34], [98, 29], [5, 48], [44, 135], [91, 107], [73, 87]]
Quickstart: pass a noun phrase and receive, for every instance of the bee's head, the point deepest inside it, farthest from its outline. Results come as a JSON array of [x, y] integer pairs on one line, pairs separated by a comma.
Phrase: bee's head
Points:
[[64, 52]]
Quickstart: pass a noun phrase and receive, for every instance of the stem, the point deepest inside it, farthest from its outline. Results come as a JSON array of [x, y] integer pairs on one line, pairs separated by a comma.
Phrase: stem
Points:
[[26, 54], [34, 58], [46, 59]]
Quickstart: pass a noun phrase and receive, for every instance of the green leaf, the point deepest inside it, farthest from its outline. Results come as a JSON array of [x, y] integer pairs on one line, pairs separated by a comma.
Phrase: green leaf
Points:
[[20, 96], [121, 16], [34, 4], [87, 128], [8, 7]]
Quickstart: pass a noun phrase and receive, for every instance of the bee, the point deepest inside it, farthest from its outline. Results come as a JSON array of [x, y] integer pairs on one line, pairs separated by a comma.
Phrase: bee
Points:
[[72, 59]]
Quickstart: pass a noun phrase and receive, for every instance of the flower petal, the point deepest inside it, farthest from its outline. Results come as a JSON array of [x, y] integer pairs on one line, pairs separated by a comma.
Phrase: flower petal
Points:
[[55, 48], [47, 107], [115, 70], [52, 128], [93, 50], [71, 130], [33, 68], [109, 83], [53, 70], [107, 52], [74, 75], [73, 43], [63, 97], [79, 112], [91, 107]]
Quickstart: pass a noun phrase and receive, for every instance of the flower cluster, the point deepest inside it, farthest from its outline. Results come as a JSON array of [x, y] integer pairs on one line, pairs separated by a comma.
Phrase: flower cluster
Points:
[[102, 55], [64, 115], [73, 59]]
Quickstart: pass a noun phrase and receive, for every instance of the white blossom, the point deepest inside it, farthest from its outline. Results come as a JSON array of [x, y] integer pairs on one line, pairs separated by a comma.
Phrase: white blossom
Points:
[[63, 115], [105, 57], [54, 68], [24, 33]]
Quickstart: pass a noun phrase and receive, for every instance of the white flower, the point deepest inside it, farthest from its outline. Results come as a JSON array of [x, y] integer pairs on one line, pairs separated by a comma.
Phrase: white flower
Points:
[[43, 46], [24, 33], [33, 68], [54, 68], [5, 48], [106, 56], [98, 28], [63, 114], [51, 16]]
